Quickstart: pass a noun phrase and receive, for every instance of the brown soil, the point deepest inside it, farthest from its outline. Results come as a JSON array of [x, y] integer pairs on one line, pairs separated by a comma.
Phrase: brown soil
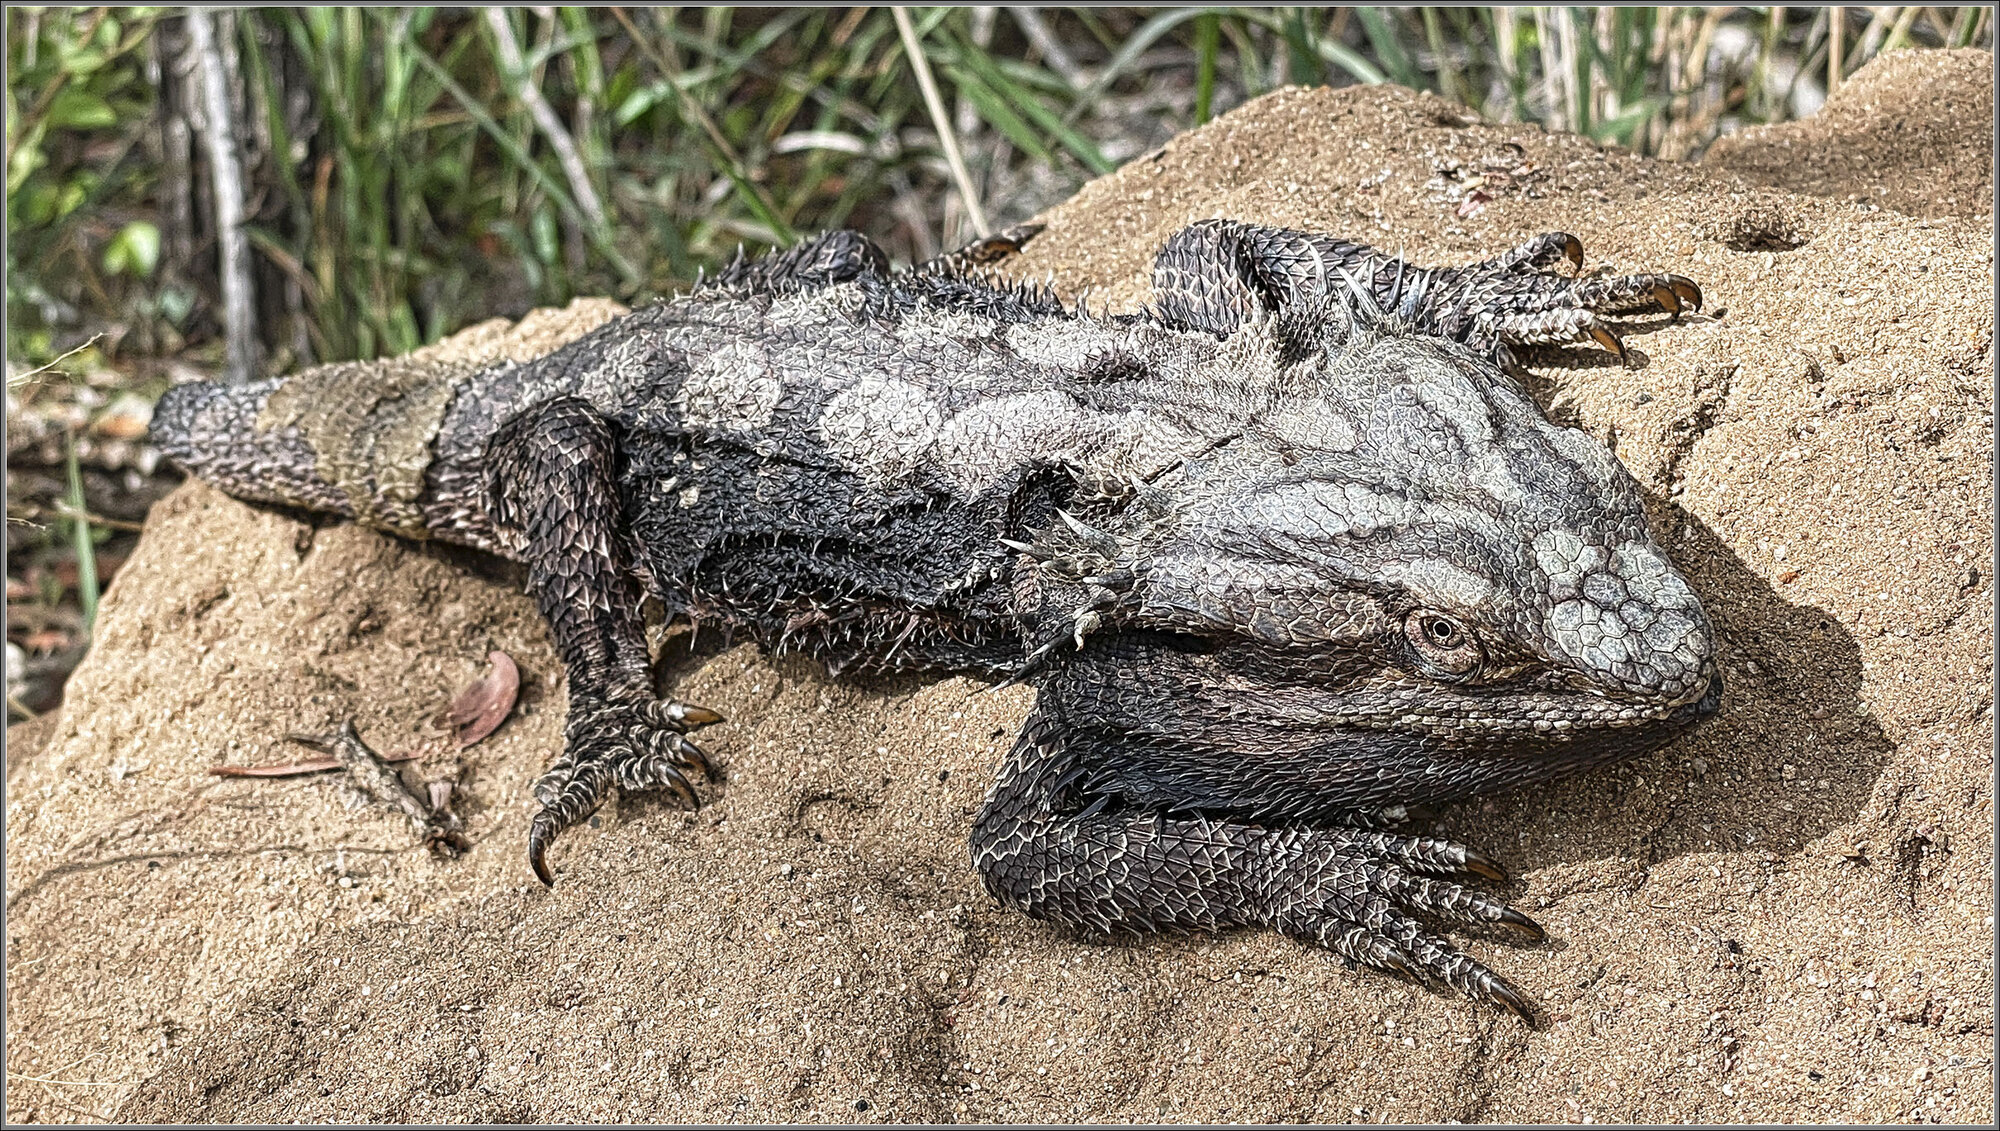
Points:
[[1912, 131], [1785, 917]]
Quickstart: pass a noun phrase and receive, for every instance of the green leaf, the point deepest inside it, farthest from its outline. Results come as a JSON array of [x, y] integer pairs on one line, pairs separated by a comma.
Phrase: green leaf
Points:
[[69, 196], [22, 165], [81, 110], [134, 251], [79, 62], [542, 228], [175, 304], [37, 203], [640, 101]]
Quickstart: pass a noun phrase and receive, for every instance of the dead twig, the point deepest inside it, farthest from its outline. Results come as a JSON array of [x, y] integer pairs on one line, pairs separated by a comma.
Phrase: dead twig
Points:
[[295, 769], [434, 823], [14, 380]]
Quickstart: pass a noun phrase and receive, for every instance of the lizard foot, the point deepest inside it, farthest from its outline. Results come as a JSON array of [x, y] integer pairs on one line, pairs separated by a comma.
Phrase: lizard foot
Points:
[[1367, 887], [1522, 300], [630, 740]]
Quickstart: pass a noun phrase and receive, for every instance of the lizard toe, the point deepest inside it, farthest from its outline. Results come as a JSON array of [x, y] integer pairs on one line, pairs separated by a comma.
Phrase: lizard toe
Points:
[[1367, 892], [631, 741], [677, 715], [572, 790], [663, 763], [1429, 856], [1441, 963], [1442, 899]]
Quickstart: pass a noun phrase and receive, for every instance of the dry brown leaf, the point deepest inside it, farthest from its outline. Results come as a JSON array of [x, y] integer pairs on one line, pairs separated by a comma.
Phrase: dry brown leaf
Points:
[[482, 707]]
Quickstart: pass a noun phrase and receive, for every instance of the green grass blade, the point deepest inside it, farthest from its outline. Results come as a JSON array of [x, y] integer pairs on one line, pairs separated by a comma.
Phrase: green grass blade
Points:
[[627, 273], [1330, 49], [995, 112], [1302, 62], [1128, 52], [1389, 47], [1207, 45], [80, 534], [1079, 146], [1448, 82]]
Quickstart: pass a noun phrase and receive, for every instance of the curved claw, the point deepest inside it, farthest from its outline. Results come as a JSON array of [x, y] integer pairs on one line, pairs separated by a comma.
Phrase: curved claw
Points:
[[671, 780], [678, 716], [1038, 553], [694, 716], [1604, 337], [1573, 250], [1519, 922], [540, 835], [1668, 298], [1508, 999], [699, 759], [1480, 864], [1396, 960], [1686, 290]]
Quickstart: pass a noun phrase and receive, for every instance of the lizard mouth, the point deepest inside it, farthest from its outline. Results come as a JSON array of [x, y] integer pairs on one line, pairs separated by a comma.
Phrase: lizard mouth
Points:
[[1545, 711]]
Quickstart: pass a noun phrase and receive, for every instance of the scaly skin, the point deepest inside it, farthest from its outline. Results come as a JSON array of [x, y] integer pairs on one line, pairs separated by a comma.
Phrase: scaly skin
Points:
[[1281, 555]]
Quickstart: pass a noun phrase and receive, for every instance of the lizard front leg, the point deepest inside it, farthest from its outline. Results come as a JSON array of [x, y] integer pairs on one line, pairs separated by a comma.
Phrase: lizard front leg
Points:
[[551, 492], [1045, 846]]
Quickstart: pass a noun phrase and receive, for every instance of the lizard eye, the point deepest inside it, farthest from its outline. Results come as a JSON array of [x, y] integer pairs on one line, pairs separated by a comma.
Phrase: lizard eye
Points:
[[1443, 644]]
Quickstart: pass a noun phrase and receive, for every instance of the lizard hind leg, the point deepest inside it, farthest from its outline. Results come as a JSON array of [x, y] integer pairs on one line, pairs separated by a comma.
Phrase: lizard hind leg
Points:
[[550, 490], [1214, 275]]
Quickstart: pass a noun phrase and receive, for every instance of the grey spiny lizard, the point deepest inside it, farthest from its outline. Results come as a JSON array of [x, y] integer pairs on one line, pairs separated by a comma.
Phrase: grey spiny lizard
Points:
[[1282, 554]]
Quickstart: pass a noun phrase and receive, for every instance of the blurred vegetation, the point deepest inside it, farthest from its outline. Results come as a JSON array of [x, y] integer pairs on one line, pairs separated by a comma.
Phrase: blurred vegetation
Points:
[[407, 171]]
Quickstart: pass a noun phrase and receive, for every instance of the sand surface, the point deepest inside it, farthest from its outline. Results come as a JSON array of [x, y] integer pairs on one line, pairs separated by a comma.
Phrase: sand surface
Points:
[[1785, 917], [1912, 131]]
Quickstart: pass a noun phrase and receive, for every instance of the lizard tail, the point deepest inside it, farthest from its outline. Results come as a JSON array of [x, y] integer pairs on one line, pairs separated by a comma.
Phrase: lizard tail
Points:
[[212, 432]]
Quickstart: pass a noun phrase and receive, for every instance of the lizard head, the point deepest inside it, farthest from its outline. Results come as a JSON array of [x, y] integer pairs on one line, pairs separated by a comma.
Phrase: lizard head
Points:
[[1402, 574]]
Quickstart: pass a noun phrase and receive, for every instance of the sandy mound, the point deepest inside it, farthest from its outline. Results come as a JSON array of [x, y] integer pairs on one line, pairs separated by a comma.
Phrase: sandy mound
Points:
[[1785, 917], [1912, 131]]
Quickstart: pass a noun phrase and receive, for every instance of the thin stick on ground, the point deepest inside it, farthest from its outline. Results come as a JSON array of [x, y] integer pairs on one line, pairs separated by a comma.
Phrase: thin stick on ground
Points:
[[85, 547], [15, 380], [435, 825]]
